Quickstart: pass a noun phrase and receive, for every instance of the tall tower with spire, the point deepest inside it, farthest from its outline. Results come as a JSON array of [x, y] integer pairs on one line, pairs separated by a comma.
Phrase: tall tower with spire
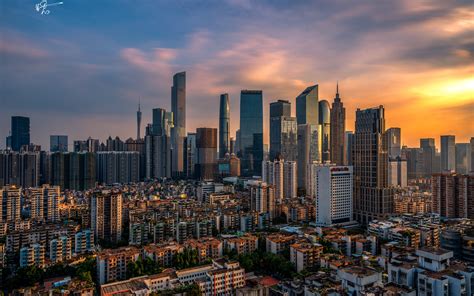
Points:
[[139, 120], [338, 128]]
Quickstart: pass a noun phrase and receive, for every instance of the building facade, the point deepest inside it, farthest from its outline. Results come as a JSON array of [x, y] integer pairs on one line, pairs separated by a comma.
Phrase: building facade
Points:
[[373, 198], [338, 128]]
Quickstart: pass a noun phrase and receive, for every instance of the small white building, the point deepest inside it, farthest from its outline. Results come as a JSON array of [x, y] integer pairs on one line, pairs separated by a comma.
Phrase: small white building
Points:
[[355, 279]]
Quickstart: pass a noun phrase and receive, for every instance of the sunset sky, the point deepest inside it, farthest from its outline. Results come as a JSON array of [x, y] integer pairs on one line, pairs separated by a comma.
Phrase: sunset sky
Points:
[[81, 69]]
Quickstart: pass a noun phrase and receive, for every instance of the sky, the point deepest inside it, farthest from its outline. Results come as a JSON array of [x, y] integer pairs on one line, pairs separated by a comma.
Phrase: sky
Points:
[[81, 69]]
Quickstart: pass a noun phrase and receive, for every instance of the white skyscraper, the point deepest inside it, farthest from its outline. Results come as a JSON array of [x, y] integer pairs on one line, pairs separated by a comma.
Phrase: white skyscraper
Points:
[[332, 189]]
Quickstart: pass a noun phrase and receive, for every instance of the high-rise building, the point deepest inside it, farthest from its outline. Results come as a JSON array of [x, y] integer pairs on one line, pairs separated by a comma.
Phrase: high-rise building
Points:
[[272, 174], [178, 132], [309, 150], [32, 255], [307, 106], [331, 186], [10, 204], [415, 161], [429, 153], [325, 122], [19, 168], [453, 195], [158, 145], [139, 121], [60, 249], [394, 135], [472, 153], [290, 179], [138, 145], [89, 145], [463, 158], [262, 199], [282, 175], [448, 153], [73, 170], [83, 242], [191, 155], [118, 167], [232, 145], [229, 166], [20, 132], [224, 126], [58, 143], [44, 203], [106, 215], [397, 172], [206, 148], [338, 128], [283, 131], [251, 132], [373, 198], [348, 145], [114, 144]]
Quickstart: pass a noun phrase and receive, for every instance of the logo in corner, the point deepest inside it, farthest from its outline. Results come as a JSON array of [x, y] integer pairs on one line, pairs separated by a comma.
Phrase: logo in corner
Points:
[[42, 7]]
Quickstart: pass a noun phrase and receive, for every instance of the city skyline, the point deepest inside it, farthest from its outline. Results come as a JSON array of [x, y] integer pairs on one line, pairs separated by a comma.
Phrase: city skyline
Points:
[[68, 88]]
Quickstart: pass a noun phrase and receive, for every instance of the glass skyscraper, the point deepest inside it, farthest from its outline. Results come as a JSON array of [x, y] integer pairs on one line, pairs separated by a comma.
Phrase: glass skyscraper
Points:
[[307, 106], [373, 198], [178, 133], [251, 131], [58, 143], [448, 153], [20, 132], [224, 126], [283, 131], [325, 122]]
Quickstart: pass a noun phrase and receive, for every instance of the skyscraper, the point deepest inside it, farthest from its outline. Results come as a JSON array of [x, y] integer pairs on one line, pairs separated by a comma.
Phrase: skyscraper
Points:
[[307, 106], [191, 155], [283, 131], [472, 153], [373, 199], [118, 167], [106, 215], [139, 121], [309, 150], [10, 204], [262, 199], [448, 153], [282, 175], [178, 132], [429, 152], [415, 161], [19, 168], [325, 122], [157, 145], [394, 142], [453, 195], [206, 146], [224, 126], [58, 143], [251, 132], [463, 158], [44, 203], [20, 132], [338, 128], [348, 145]]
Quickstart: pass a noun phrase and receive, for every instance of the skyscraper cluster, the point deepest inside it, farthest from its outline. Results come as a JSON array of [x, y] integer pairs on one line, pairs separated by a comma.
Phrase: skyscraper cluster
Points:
[[301, 147]]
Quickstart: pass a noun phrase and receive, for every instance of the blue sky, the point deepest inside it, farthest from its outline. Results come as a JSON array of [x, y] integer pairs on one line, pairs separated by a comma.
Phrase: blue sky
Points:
[[81, 69]]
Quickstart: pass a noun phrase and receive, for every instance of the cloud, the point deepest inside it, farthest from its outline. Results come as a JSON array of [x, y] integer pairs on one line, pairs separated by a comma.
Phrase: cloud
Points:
[[389, 52]]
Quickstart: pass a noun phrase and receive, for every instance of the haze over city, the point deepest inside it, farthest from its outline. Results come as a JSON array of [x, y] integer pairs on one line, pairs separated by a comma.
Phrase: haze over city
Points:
[[82, 69]]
